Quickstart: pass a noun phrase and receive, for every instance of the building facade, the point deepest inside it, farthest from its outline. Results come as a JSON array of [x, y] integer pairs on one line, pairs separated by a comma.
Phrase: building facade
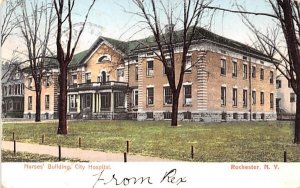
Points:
[[98, 84], [224, 81], [286, 97], [224, 85], [49, 96], [12, 92]]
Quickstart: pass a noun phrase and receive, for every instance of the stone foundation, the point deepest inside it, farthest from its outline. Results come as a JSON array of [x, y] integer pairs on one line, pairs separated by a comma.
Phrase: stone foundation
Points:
[[212, 116], [43, 116]]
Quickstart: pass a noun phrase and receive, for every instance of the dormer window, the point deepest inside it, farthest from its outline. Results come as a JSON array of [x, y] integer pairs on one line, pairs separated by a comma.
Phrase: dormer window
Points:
[[104, 58]]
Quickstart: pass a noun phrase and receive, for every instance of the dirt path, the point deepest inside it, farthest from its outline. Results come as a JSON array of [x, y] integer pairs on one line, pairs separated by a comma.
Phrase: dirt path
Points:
[[76, 153]]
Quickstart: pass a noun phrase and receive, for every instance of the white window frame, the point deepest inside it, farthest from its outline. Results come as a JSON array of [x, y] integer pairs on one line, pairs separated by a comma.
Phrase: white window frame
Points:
[[223, 66], [223, 96], [152, 100], [167, 90], [150, 71], [234, 97], [187, 100], [188, 64], [135, 96]]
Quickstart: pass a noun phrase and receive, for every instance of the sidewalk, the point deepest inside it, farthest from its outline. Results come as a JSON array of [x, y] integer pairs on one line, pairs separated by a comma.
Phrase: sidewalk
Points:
[[76, 153]]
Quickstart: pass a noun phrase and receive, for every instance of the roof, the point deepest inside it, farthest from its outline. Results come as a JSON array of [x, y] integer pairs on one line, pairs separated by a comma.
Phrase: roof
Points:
[[130, 48], [202, 34]]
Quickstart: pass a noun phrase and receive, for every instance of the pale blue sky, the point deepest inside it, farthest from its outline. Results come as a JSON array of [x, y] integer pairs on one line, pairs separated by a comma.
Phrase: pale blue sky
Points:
[[115, 22]]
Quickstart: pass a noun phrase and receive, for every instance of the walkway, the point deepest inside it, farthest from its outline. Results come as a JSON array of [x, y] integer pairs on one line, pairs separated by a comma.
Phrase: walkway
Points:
[[76, 153]]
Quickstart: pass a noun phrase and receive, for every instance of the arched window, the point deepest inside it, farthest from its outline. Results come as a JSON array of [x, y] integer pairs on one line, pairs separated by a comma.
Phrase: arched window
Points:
[[103, 75], [104, 58]]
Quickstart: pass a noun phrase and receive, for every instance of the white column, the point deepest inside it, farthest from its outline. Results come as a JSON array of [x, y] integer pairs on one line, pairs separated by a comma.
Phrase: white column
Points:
[[78, 103], [68, 100], [112, 104], [99, 102]]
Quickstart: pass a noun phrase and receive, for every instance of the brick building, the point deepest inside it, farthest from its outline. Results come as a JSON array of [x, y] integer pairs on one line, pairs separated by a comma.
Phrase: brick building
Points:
[[230, 81], [224, 81], [49, 96]]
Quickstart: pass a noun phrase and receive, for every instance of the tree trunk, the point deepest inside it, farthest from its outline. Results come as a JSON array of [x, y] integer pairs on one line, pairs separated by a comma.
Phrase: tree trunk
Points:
[[175, 110], [62, 123], [38, 106], [297, 119]]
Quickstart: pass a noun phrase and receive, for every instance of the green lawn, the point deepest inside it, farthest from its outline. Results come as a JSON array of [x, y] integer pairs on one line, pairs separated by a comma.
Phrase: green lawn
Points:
[[213, 142], [9, 156]]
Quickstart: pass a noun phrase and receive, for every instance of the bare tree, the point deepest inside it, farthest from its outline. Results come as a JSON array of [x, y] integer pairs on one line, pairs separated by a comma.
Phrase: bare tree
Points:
[[187, 19], [64, 11], [35, 22], [9, 21], [281, 42]]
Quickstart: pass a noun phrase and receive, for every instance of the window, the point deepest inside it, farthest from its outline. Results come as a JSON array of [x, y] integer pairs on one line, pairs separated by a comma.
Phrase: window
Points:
[[254, 115], [29, 102], [245, 97], [223, 116], [150, 96], [262, 116], [289, 83], [245, 71], [149, 115], [47, 102], [105, 101], [88, 77], [262, 98], [271, 100], [253, 97], [5, 90], [168, 97], [47, 81], [223, 96], [167, 115], [9, 90], [188, 64], [253, 72], [72, 101], [223, 67], [234, 69], [136, 72], [234, 96], [245, 115], [187, 94], [235, 116], [292, 97], [119, 99], [135, 97], [86, 100], [22, 89], [262, 74], [168, 64], [278, 84], [120, 75], [271, 77], [74, 79], [104, 58], [187, 115], [16, 89], [29, 82], [150, 70]]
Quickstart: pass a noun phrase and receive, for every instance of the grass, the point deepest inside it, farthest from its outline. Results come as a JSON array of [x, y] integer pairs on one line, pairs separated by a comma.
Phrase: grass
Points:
[[213, 142], [9, 156]]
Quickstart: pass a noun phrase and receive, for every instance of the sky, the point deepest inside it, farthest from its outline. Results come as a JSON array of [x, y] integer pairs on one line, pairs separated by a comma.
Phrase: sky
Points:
[[112, 18]]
